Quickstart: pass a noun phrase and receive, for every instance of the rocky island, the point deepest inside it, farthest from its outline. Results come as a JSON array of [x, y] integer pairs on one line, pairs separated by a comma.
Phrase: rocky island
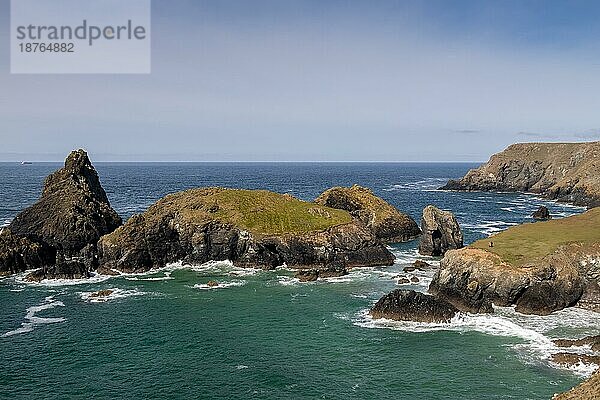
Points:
[[72, 230], [568, 172], [251, 228]]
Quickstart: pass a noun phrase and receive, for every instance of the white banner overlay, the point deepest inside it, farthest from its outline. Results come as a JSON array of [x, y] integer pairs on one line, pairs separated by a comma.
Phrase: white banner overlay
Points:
[[80, 37]]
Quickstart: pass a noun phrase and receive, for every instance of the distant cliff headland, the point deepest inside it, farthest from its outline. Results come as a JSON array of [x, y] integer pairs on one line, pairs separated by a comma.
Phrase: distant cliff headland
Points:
[[567, 172]]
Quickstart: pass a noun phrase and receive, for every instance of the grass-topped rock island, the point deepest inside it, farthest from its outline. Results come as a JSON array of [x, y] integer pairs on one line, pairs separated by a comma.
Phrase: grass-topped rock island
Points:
[[251, 228], [72, 230]]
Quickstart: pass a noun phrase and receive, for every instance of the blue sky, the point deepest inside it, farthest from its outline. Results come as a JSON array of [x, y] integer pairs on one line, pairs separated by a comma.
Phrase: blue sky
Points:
[[323, 80]]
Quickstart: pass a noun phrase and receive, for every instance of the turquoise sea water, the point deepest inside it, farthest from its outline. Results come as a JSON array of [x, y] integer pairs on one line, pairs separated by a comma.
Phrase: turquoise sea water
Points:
[[262, 334]]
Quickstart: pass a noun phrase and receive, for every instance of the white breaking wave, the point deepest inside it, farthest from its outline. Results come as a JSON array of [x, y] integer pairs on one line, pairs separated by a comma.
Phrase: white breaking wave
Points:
[[166, 277], [426, 184], [220, 285], [535, 343], [94, 278], [31, 320], [116, 294], [288, 281], [214, 268], [489, 227]]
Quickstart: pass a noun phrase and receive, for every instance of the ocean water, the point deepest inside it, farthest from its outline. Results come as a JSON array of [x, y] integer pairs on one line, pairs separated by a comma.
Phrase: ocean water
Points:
[[264, 335]]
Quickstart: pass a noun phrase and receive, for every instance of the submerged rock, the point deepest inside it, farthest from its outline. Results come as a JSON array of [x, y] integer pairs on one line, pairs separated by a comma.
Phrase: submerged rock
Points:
[[421, 265], [102, 293], [542, 214], [73, 210], [251, 228], [441, 232], [408, 305], [384, 220]]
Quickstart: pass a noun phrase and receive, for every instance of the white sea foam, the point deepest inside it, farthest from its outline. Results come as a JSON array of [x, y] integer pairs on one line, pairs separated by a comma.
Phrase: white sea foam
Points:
[[288, 280], [31, 320], [214, 268], [220, 285], [94, 278], [580, 368], [405, 257], [167, 276], [534, 342], [489, 227], [116, 294], [427, 184]]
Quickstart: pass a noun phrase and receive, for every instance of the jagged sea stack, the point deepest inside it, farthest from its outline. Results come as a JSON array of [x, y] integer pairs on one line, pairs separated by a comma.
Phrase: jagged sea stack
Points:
[[387, 223], [61, 229], [73, 210], [441, 232]]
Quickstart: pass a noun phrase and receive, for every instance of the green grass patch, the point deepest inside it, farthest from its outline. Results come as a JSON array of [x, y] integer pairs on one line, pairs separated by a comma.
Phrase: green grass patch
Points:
[[524, 243], [259, 211]]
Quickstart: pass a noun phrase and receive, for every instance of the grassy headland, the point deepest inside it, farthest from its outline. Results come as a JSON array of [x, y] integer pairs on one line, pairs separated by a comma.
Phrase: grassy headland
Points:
[[524, 243]]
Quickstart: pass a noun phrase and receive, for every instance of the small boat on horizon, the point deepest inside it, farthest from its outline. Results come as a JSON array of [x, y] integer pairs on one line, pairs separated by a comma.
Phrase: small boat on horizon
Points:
[[26, 163]]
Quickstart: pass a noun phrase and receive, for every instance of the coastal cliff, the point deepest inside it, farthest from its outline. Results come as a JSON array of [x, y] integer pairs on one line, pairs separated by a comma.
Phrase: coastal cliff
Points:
[[568, 172], [251, 228]]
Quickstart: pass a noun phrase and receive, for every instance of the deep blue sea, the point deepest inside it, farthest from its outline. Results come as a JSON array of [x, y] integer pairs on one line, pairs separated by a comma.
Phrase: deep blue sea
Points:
[[263, 335]]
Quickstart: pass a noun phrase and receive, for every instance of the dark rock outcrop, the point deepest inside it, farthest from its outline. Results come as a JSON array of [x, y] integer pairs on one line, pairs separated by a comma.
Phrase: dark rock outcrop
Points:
[[417, 265], [566, 172], [441, 232], [73, 210], [250, 228], [421, 265], [387, 223], [18, 253], [312, 274], [592, 341], [542, 214], [62, 269], [408, 305], [570, 359]]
